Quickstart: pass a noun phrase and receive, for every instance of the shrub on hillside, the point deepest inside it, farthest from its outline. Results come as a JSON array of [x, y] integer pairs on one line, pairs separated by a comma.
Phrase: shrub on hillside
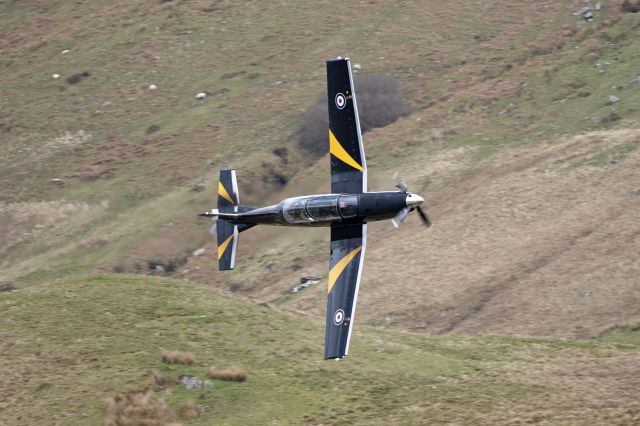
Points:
[[188, 410], [175, 357], [380, 103], [77, 77], [232, 374], [160, 266], [632, 7], [158, 381], [137, 407]]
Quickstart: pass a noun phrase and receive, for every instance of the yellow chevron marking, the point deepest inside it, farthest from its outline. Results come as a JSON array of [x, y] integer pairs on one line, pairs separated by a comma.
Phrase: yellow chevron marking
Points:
[[223, 192], [337, 150], [222, 247], [337, 269]]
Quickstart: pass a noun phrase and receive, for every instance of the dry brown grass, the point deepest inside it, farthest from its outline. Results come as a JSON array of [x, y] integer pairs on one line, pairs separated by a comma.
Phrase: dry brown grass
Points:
[[231, 374], [158, 381], [188, 410], [176, 357], [137, 407]]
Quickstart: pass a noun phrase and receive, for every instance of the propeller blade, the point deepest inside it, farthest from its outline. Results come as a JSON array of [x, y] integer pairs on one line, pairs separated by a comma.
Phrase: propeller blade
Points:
[[399, 182], [400, 217], [424, 217]]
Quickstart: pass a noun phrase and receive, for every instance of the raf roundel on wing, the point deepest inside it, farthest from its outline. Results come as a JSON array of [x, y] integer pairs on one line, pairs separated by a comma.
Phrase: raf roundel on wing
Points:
[[341, 101]]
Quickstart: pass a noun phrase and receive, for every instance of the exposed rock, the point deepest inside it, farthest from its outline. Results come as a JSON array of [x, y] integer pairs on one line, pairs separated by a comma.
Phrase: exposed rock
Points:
[[613, 100], [6, 287], [199, 252], [581, 11], [192, 383], [201, 95], [152, 87], [305, 282]]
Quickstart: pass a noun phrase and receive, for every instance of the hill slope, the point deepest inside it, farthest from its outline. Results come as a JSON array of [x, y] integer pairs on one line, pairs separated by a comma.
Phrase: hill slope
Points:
[[69, 344], [531, 167]]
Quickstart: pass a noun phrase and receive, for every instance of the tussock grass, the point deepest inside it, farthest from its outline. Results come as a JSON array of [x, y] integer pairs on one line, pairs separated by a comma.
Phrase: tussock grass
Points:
[[158, 381], [188, 410], [137, 407], [230, 374], [176, 357]]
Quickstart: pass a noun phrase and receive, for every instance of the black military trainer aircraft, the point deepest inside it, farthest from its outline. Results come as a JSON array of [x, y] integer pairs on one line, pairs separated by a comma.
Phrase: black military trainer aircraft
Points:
[[346, 210]]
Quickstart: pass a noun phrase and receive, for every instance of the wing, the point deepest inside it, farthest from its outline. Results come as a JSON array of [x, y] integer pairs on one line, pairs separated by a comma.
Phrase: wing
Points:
[[348, 165], [347, 256]]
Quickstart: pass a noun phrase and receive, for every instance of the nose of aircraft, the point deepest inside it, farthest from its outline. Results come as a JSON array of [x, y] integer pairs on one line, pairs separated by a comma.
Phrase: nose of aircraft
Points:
[[414, 200]]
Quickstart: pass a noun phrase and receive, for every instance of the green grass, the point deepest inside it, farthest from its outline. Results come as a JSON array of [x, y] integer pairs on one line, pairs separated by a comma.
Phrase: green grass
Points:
[[624, 336], [90, 337]]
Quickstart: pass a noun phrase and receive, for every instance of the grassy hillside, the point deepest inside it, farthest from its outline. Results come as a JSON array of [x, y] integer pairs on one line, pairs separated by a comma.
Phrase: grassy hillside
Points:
[[521, 203], [69, 344], [523, 140]]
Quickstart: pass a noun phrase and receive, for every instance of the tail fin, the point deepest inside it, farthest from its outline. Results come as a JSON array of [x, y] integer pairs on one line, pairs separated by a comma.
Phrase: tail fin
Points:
[[227, 232]]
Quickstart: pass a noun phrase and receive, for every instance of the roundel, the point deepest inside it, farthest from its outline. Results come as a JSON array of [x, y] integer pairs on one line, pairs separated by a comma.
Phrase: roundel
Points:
[[338, 317], [341, 101]]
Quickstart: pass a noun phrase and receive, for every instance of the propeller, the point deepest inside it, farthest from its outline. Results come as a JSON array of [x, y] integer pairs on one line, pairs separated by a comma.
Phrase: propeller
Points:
[[424, 217], [402, 214], [400, 217], [399, 182]]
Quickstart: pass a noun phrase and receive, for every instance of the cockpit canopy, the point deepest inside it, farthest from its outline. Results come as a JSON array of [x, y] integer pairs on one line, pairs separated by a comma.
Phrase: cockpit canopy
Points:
[[320, 208]]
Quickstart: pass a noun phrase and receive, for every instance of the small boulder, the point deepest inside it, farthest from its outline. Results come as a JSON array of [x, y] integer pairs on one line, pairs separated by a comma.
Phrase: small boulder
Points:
[[152, 87], [193, 383], [201, 95], [6, 287], [199, 252], [613, 100], [55, 76]]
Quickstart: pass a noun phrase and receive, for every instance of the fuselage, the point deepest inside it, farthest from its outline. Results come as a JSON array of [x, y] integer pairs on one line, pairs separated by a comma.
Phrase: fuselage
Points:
[[326, 209]]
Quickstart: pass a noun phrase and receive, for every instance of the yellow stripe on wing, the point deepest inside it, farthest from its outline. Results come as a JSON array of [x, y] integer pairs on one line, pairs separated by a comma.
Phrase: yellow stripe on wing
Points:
[[223, 192], [337, 269], [222, 247], [339, 152]]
